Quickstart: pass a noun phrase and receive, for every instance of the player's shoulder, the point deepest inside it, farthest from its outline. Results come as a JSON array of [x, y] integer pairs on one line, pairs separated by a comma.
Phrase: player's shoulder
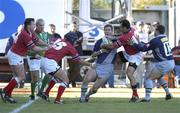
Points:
[[154, 40], [159, 37], [99, 41], [79, 33], [126, 36], [23, 33], [98, 44], [45, 34]]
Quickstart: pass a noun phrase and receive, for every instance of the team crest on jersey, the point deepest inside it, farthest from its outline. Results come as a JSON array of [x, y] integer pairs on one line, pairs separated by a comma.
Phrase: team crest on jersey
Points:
[[59, 44]]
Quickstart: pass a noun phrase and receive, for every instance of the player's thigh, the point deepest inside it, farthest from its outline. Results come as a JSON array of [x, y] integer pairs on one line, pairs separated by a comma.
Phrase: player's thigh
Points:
[[34, 75], [99, 82], [60, 74], [19, 71], [130, 70], [149, 68], [90, 75], [166, 66], [154, 74], [161, 68]]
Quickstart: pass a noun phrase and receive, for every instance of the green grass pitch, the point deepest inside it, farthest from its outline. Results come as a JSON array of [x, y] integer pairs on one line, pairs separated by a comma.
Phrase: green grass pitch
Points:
[[95, 105]]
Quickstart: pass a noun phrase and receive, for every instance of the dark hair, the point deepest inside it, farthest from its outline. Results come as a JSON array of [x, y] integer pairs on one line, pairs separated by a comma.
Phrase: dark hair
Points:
[[28, 21], [125, 23], [52, 25], [161, 29], [74, 22], [108, 25], [148, 24], [155, 23]]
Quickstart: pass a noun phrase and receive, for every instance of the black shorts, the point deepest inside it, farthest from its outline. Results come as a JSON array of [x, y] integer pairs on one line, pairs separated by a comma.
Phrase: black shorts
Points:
[[121, 55]]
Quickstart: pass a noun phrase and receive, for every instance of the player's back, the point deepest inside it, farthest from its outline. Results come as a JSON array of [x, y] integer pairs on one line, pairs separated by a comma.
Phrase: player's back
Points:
[[60, 49], [161, 48], [23, 41], [124, 39]]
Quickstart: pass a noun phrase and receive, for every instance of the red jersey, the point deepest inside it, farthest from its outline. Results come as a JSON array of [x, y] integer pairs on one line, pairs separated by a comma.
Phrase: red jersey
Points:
[[24, 41], [60, 49], [122, 40]]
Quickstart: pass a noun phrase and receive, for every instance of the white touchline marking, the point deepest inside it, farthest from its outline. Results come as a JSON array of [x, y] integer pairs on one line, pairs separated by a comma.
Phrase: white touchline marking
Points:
[[17, 110]]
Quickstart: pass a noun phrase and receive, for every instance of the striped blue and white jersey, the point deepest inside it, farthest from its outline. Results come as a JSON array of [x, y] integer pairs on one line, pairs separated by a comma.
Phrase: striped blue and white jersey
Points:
[[106, 57]]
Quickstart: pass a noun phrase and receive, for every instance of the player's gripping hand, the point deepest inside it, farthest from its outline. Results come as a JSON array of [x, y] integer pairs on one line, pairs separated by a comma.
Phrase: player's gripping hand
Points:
[[90, 59], [97, 53]]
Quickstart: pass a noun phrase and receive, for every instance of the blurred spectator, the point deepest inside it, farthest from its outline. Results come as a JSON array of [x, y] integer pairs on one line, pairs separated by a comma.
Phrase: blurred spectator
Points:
[[12, 38], [52, 33], [10, 42], [142, 37], [140, 33], [176, 51], [154, 26], [52, 36], [148, 30], [75, 37]]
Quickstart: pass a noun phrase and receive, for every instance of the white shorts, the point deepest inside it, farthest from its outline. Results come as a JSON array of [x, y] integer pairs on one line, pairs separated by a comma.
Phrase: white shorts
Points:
[[49, 65], [14, 59], [34, 64], [137, 58]]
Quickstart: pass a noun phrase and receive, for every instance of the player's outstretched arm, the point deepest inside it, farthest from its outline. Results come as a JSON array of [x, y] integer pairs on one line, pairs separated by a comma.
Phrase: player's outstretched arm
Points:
[[39, 49], [42, 43], [95, 54], [107, 46], [141, 46]]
